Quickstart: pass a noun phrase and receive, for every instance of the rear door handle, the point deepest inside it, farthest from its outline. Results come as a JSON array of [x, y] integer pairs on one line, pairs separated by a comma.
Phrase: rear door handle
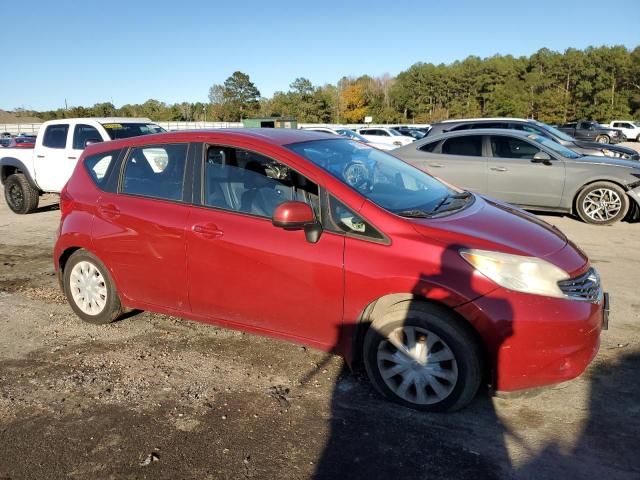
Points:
[[72, 158], [40, 156], [109, 211], [436, 165], [207, 230], [498, 169]]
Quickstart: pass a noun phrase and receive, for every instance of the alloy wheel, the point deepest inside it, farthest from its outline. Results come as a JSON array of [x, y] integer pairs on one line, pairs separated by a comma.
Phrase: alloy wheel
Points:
[[602, 204]]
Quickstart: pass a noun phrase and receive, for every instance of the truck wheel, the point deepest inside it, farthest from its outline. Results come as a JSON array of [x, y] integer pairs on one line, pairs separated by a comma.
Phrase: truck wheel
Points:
[[603, 139], [638, 138], [20, 195], [423, 357], [602, 203], [90, 290]]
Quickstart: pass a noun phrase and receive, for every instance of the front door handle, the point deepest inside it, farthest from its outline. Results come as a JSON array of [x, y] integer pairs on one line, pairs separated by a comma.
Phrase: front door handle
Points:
[[436, 165], [72, 158], [498, 169], [40, 156], [207, 230]]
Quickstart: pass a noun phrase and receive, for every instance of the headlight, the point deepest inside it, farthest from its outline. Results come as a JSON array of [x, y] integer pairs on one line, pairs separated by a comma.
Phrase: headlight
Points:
[[515, 272]]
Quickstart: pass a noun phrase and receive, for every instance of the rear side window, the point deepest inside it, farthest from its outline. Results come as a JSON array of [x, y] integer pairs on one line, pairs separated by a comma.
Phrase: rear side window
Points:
[[83, 133], [156, 171], [55, 136], [98, 166], [470, 145]]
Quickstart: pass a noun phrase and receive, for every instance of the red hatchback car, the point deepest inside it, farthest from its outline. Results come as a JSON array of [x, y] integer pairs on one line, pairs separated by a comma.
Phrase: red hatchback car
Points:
[[330, 243]]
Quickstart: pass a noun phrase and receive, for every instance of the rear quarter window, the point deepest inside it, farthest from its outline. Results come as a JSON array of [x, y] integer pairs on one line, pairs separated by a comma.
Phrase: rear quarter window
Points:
[[99, 166]]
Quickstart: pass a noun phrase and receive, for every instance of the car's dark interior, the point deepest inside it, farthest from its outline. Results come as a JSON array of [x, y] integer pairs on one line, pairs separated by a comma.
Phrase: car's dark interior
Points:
[[248, 182], [470, 145]]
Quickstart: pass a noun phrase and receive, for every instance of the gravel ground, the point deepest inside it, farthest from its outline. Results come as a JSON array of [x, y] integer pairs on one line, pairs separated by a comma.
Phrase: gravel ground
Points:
[[153, 396]]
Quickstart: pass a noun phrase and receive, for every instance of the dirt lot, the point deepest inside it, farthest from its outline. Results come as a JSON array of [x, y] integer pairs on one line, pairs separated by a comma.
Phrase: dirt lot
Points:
[[156, 397]]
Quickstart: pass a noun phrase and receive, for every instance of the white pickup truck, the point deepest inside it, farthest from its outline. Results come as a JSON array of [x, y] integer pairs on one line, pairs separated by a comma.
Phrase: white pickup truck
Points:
[[630, 129], [28, 173]]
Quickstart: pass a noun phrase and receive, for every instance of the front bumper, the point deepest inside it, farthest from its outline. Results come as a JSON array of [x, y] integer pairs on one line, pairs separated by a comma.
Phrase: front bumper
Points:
[[534, 341]]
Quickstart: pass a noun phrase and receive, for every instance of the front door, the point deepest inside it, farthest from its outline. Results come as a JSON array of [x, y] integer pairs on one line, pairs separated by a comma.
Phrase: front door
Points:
[[244, 270], [515, 178]]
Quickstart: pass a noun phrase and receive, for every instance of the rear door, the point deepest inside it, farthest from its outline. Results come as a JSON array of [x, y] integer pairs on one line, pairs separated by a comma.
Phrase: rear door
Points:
[[458, 160], [140, 230], [54, 161], [515, 178]]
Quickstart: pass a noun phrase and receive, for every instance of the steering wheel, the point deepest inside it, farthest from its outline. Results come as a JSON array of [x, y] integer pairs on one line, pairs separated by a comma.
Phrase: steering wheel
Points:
[[356, 174]]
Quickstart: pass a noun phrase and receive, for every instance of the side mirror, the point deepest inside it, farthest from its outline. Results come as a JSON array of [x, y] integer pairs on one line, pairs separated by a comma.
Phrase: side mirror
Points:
[[91, 141], [541, 157], [295, 216]]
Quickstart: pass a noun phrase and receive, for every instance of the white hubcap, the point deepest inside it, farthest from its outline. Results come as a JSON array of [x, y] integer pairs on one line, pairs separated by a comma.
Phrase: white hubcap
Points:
[[417, 365], [88, 288]]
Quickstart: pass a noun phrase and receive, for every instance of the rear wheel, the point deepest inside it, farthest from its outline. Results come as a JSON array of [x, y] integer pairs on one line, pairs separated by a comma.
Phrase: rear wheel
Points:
[[21, 197], [603, 139], [423, 357], [90, 290], [602, 203]]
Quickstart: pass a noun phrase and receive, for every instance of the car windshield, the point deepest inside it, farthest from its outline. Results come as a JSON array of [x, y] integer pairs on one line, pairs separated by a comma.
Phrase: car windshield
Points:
[[555, 132], [127, 130], [385, 180], [395, 133], [637, 124], [345, 132], [553, 145]]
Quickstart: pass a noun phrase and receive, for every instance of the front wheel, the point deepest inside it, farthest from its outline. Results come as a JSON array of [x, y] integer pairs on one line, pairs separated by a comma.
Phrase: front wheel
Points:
[[602, 203], [603, 139], [90, 290], [21, 197], [423, 357]]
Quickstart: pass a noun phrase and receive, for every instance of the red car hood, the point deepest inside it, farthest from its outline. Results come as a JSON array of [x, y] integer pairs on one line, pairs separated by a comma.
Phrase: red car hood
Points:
[[492, 225]]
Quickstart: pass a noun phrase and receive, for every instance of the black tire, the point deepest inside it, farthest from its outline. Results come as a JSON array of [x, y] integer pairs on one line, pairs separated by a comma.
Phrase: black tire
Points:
[[21, 197], [603, 139], [587, 214], [112, 308], [452, 332]]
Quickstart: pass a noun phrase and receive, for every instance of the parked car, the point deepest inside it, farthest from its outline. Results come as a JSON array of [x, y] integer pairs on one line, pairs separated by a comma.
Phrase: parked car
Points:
[[531, 171], [593, 131], [385, 135], [5, 141], [26, 174], [630, 129], [414, 132], [347, 132], [22, 142], [328, 242], [539, 128]]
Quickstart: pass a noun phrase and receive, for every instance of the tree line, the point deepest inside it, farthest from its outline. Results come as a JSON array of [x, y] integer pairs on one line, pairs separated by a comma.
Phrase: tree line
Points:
[[597, 83]]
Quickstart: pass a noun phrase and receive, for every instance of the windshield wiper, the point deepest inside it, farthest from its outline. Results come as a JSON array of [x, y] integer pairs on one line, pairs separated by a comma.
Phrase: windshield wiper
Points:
[[448, 201], [414, 213]]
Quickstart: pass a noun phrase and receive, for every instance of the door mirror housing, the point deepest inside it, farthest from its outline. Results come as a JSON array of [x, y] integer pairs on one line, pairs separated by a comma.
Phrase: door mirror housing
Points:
[[542, 157], [91, 141], [295, 216]]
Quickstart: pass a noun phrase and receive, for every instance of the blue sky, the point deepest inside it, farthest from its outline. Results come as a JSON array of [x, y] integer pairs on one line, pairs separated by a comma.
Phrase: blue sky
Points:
[[130, 51]]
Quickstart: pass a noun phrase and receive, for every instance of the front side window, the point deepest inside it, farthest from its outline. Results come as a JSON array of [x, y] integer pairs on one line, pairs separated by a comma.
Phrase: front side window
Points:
[[382, 178], [509, 147], [245, 181], [55, 136], [84, 133], [468, 145], [156, 171]]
